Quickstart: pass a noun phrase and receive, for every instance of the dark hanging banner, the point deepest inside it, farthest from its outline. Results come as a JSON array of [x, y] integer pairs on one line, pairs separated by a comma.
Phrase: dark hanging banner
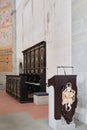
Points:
[[65, 96]]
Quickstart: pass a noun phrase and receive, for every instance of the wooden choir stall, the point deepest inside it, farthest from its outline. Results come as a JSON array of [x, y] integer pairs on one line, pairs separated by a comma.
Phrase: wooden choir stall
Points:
[[23, 86]]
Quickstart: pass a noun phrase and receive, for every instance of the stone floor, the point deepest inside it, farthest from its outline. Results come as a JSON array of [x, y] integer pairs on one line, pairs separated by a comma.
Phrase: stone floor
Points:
[[22, 121], [27, 116]]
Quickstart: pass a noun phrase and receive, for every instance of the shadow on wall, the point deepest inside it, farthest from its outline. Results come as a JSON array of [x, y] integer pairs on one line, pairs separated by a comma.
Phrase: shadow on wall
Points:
[[20, 68]]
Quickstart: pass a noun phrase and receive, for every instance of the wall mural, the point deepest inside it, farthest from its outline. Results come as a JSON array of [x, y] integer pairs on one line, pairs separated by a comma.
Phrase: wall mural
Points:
[[5, 36]]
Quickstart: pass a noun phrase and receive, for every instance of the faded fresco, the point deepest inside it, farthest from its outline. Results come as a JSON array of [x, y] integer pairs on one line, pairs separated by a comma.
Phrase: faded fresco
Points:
[[5, 36]]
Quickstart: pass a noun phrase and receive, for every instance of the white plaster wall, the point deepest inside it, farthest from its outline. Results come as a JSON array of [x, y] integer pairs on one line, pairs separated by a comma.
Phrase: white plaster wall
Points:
[[27, 25], [33, 23], [58, 35], [19, 40], [50, 20], [79, 51], [18, 2], [38, 20]]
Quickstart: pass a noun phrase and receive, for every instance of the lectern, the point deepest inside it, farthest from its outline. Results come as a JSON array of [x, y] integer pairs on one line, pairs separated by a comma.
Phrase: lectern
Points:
[[64, 100]]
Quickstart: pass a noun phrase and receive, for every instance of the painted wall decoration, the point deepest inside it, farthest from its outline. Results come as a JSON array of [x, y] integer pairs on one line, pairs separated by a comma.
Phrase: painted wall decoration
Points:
[[6, 59], [5, 36]]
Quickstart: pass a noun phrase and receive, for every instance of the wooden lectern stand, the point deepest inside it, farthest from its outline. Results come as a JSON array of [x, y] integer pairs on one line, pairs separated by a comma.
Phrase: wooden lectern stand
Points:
[[65, 96]]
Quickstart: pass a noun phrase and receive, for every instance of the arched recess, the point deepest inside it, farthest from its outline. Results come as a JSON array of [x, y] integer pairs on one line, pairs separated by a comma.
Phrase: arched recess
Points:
[[20, 68]]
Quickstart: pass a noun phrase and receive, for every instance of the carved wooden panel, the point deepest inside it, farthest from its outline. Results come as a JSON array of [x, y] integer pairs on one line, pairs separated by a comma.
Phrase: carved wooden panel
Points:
[[42, 59], [32, 61], [35, 58], [28, 62], [37, 61], [24, 63]]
